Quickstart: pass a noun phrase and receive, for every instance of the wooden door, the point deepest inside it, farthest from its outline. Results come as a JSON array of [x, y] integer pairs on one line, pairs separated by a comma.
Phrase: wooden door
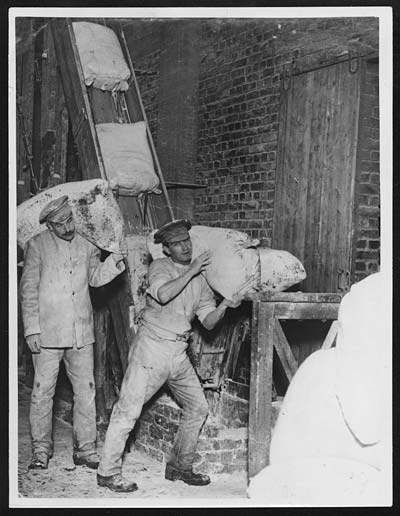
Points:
[[314, 194]]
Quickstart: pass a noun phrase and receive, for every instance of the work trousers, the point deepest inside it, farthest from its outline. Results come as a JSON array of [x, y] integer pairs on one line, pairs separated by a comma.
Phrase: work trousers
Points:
[[152, 363], [79, 368]]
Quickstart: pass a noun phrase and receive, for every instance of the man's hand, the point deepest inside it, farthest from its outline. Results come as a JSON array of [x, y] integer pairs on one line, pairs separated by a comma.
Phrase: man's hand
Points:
[[199, 264], [238, 297], [33, 342], [123, 252]]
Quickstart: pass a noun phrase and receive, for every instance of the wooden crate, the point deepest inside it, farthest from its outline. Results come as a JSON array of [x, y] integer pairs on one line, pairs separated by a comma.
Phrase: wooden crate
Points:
[[267, 334]]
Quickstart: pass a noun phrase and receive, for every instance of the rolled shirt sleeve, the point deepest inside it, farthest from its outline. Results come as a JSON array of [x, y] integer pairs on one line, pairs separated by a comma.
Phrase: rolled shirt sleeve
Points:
[[207, 302], [158, 276]]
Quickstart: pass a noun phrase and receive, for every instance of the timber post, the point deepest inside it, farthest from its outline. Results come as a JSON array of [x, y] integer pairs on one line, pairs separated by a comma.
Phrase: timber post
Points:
[[267, 335]]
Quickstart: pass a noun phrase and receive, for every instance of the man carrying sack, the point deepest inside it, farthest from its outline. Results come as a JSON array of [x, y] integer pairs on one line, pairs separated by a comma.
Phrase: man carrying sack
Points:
[[177, 293], [59, 266]]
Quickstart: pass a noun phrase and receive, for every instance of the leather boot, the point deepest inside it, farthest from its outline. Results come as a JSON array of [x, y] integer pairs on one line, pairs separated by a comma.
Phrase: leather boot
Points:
[[91, 461], [117, 483], [40, 460], [186, 475]]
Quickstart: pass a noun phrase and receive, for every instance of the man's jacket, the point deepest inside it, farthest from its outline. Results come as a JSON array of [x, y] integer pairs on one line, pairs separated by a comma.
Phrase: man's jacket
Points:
[[54, 288]]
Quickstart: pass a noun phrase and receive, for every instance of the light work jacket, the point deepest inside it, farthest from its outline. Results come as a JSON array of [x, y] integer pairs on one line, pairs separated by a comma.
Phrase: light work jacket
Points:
[[54, 288]]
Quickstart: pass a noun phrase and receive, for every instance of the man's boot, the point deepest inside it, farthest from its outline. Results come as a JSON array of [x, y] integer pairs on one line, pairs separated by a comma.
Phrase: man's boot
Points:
[[90, 460], [186, 475], [40, 460], [117, 483]]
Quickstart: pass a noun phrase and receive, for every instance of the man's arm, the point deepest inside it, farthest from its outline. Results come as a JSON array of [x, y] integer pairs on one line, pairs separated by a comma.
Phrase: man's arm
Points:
[[29, 296], [212, 318], [173, 288], [101, 273]]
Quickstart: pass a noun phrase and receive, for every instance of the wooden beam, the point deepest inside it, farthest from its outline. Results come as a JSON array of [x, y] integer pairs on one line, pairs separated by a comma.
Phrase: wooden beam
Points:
[[331, 335], [77, 99], [25, 63], [260, 407], [321, 311], [284, 352], [297, 297], [101, 330]]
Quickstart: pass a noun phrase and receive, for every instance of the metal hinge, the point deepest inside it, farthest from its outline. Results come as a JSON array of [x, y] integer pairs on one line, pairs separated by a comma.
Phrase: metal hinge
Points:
[[343, 280]]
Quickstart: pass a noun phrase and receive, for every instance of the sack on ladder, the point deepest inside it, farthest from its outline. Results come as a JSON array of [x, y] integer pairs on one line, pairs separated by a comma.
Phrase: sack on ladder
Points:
[[236, 264], [96, 213], [101, 57], [127, 157]]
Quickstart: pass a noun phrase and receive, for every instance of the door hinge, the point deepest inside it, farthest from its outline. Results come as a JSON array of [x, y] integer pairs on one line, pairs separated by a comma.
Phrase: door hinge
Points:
[[343, 280]]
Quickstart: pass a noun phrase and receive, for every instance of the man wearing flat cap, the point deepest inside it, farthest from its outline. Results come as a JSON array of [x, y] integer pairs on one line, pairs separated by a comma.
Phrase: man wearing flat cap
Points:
[[177, 293], [59, 266]]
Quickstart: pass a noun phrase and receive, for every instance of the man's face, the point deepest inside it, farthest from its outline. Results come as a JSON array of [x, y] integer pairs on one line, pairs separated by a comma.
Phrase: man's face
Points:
[[180, 252], [63, 226]]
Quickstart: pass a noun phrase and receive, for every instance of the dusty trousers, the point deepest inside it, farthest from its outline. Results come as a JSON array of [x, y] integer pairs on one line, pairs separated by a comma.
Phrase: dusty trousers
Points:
[[152, 363], [79, 368]]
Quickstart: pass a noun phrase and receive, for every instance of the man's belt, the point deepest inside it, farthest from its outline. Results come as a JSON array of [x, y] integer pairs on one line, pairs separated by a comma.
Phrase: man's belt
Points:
[[180, 337], [183, 337]]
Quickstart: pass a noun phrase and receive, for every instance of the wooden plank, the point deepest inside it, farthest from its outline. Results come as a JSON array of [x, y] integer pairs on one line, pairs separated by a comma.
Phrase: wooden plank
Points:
[[119, 302], [344, 178], [101, 330], [239, 337], [292, 181], [25, 62], [77, 99], [314, 192], [260, 401], [306, 310], [331, 335], [103, 107], [284, 352], [314, 149], [297, 297]]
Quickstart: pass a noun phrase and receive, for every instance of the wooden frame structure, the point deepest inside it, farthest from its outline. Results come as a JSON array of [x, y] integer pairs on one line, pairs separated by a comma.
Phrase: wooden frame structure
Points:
[[267, 334]]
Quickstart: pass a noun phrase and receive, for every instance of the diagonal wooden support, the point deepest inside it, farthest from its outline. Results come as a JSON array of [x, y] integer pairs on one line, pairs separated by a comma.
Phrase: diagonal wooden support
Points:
[[331, 335], [284, 352]]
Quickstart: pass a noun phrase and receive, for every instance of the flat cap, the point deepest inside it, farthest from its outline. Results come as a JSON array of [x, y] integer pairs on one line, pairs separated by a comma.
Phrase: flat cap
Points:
[[174, 231], [53, 207]]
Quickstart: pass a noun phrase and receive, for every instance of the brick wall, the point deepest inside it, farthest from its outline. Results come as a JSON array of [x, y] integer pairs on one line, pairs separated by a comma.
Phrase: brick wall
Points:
[[222, 447], [239, 108], [367, 199], [143, 40], [241, 62]]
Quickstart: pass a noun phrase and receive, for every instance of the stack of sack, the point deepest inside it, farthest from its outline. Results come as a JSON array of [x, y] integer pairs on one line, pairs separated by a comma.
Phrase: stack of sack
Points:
[[124, 147]]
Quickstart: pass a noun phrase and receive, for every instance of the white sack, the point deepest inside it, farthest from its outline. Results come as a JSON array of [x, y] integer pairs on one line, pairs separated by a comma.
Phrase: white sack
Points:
[[279, 270], [138, 262], [96, 213], [100, 53], [233, 259], [363, 357], [236, 259], [127, 156], [327, 481]]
